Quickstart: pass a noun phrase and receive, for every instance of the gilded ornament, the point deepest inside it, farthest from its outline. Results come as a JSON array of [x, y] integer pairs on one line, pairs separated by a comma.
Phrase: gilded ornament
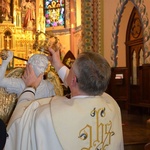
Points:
[[4, 54], [43, 43]]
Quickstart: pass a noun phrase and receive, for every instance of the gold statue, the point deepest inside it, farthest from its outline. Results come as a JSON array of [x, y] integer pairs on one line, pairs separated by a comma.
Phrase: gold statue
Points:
[[49, 40]]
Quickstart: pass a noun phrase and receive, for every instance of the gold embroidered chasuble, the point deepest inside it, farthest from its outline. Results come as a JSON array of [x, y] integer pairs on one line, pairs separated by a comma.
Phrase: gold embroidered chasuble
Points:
[[78, 124], [87, 123]]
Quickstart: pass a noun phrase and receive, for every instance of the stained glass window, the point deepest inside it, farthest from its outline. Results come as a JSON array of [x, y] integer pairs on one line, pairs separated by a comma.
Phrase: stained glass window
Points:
[[54, 13]]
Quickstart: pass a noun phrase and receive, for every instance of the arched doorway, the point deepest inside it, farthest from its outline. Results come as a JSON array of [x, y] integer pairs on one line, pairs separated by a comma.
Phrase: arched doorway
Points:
[[134, 56], [134, 46], [129, 84], [141, 8]]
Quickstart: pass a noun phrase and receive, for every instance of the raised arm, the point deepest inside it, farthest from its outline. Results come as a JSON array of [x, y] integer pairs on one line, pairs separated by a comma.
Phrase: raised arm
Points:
[[5, 61], [12, 85], [62, 70], [54, 57]]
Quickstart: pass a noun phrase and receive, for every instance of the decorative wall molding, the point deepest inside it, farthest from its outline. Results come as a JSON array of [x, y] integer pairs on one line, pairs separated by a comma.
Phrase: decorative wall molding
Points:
[[87, 24], [139, 4], [100, 24], [92, 25]]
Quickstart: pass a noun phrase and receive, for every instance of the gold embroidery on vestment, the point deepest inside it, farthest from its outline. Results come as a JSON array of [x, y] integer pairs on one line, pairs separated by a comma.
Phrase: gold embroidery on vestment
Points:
[[98, 135]]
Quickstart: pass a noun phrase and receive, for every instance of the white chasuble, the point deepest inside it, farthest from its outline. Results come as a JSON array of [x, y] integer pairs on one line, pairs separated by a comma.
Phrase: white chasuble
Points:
[[21, 127], [88, 123], [59, 123]]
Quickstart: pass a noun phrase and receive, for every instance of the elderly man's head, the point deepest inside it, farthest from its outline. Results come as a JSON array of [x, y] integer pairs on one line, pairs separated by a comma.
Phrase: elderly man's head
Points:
[[91, 72], [39, 63]]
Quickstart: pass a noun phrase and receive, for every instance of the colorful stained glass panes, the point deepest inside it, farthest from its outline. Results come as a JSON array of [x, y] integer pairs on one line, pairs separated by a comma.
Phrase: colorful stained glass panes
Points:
[[54, 13]]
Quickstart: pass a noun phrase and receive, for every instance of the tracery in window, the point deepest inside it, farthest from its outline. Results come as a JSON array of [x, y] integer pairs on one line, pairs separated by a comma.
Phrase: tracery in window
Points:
[[54, 13]]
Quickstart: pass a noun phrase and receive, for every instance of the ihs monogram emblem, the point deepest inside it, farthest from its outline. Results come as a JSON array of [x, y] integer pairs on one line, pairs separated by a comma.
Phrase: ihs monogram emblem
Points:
[[97, 136]]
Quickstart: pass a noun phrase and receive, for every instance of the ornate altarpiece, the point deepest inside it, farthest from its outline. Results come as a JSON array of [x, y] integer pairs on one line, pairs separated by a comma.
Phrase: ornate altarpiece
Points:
[[18, 24], [17, 36]]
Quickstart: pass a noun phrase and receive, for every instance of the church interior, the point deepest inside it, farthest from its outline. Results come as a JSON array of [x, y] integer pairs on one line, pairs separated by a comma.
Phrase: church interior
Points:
[[120, 31]]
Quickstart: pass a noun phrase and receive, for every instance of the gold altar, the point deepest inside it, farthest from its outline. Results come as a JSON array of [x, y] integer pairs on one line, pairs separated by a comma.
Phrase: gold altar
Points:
[[23, 42], [26, 37]]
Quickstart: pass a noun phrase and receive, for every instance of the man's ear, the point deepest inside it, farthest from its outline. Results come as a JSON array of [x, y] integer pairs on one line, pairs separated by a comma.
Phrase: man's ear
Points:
[[74, 80]]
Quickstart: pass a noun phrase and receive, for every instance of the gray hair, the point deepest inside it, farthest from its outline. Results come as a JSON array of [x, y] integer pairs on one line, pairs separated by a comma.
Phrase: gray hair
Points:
[[39, 63], [93, 73]]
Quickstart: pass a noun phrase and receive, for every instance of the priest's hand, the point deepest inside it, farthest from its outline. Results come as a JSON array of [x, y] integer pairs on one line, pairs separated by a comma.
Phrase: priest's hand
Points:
[[54, 57], [29, 77]]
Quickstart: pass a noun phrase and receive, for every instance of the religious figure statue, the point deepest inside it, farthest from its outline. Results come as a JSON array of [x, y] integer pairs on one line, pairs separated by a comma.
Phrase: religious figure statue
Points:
[[29, 7], [39, 63], [5, 9], [12, 85]]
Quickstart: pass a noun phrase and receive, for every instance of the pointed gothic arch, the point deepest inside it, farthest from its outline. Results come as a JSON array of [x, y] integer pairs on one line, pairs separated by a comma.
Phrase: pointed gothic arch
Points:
[[145, 22], [134, 46], [7, 39]]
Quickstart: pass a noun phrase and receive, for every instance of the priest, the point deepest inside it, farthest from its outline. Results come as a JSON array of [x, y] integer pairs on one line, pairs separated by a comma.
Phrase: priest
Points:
[[90, 119]]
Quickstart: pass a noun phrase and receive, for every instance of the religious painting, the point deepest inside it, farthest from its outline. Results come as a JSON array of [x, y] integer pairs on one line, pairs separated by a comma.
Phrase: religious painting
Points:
[[54, 13], [28, 9], [68, 59]]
